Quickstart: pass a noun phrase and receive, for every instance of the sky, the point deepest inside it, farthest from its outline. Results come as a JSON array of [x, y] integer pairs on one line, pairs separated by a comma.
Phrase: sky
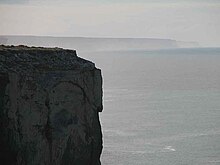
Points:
[[182, 20]]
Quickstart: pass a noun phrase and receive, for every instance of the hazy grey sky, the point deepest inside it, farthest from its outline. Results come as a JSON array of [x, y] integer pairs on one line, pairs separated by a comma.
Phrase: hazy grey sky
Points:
[[187, 20]]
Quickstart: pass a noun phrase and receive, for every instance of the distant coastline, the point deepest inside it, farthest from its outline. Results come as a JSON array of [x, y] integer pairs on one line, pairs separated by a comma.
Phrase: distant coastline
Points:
[[96, 44]]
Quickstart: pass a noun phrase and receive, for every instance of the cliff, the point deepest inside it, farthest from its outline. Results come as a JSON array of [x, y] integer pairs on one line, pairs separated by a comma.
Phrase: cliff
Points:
[[50, 101]]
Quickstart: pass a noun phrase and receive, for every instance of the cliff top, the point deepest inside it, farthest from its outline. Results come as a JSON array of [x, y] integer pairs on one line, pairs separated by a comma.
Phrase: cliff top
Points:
[[24, 59], [27, 48]]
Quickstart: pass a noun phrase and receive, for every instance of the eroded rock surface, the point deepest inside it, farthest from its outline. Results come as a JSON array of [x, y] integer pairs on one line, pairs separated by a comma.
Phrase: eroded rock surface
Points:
[[49, 104]]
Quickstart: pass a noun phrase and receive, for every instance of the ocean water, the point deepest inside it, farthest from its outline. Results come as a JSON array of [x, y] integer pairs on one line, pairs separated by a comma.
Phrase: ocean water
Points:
[[160, 107]]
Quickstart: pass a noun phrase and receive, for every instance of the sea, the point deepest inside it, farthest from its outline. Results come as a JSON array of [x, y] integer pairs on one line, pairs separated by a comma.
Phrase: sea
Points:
[[161, 107]]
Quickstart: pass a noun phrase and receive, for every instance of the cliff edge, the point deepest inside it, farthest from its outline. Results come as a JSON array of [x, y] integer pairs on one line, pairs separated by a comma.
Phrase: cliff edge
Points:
[[50, 101]]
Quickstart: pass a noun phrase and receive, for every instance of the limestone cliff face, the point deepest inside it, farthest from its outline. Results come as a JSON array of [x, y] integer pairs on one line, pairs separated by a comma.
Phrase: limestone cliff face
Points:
[[49, 105]]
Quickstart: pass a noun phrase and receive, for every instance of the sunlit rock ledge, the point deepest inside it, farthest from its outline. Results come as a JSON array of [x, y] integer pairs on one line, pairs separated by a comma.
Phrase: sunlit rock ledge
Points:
[[50, 101]]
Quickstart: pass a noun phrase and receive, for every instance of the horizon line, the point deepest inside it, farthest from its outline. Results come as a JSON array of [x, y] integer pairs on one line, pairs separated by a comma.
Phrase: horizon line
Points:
[[93, 37]]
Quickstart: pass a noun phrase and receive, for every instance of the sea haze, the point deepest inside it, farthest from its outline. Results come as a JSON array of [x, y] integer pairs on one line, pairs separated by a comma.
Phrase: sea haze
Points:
[[160, 107]]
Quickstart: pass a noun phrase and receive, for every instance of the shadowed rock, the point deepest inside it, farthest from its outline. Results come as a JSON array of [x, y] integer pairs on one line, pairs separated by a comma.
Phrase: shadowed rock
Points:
[[49, 104]]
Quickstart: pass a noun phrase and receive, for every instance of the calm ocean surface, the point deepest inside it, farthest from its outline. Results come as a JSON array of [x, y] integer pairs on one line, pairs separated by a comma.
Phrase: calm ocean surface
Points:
[[160, 107]]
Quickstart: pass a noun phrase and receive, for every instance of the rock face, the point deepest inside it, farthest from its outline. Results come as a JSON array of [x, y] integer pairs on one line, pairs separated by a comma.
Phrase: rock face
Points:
[[50, 101]]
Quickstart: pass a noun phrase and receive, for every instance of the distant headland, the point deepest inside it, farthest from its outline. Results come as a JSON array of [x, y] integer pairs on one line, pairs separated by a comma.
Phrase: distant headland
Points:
[[96, 44]]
